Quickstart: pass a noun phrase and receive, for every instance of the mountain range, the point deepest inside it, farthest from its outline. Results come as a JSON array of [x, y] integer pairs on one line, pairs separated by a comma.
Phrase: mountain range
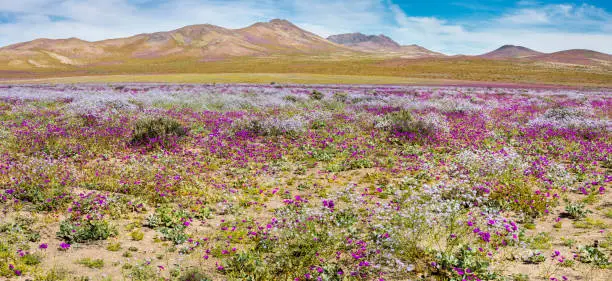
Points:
[[205, 43]]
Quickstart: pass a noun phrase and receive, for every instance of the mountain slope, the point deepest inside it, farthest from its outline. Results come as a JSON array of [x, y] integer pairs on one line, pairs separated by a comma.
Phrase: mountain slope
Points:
[[576, 56], [201, 42], [509, 52], [364, 42], [381, 44]]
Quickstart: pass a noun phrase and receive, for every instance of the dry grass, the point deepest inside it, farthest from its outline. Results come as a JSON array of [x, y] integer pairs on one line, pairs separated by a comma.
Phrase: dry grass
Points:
[[301, 78], [323, 69]]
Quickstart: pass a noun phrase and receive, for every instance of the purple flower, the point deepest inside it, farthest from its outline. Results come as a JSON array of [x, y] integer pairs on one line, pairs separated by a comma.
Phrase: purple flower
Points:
[[64, 246], [43, 246], [485, 236]]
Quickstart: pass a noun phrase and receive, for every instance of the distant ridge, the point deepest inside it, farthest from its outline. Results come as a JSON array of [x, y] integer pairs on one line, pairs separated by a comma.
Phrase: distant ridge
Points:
[[575, 56], [381, 44], [206, 43], [510, 51], [203, 42], [365, 42]]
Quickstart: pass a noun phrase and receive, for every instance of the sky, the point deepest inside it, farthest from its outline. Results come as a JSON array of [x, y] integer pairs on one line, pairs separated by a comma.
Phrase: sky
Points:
[[451, 27]]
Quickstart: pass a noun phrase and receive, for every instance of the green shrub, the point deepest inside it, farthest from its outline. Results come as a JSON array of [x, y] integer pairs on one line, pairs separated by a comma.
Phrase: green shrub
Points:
[[176, 235], [52, 275], [576, 210], [360, 164], [590, 223], [170, 223], [593, 255], [535, 258], [31, 259], [142, 272], [291, 98], [85, 230], [403, 122], [137, 235], [541, 241], [520, 277], [465, 257], [161, 128], [568, 242], [608, 213], [340, 97], [246, 266], [316, 95], [91, 263], [114, 247], [166, 217], [193, 275], [21, 228]]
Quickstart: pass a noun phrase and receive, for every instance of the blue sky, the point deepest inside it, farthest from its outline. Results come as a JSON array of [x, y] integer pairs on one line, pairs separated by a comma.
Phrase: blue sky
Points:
[[452, 27]]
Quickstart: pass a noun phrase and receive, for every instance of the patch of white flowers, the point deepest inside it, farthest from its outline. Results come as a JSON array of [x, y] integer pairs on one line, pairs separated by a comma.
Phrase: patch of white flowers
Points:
[[484, 163], [569, 118]]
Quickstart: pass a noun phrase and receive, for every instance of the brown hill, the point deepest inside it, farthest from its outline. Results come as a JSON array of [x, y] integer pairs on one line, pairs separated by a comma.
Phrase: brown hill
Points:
[[576, 56], [202, 42], [381, 44], [360, 41], [192, 45], [510, 52]]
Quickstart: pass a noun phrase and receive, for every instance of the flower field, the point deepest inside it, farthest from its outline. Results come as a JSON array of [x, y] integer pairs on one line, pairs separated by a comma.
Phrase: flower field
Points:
[[290, 182]]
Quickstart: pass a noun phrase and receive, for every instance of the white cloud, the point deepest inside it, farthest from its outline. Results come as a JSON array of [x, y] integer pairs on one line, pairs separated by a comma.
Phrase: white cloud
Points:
[[545, 28], [540, 29], [559, 15], [526, 16]]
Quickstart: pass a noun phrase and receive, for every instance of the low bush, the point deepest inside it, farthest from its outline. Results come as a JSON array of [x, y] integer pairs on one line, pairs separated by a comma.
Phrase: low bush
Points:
[[152, 130], [170, 223], [91, 263], [592, 255], [402, 122], [137, 235], [576, 210], [193, 274], [85, 230], [316, 95], [340, 97]]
